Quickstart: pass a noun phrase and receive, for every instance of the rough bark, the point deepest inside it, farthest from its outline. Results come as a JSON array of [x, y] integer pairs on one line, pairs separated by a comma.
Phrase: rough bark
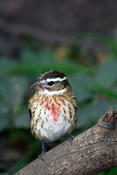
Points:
[[91, 152]]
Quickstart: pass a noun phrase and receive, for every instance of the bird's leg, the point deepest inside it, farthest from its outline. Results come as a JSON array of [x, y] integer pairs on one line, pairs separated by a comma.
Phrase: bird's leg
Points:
[[43, 150], [43, 147], [70, 138]]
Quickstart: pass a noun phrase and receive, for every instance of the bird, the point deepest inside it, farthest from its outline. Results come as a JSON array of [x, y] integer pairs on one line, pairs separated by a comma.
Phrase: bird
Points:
[[52, 108]]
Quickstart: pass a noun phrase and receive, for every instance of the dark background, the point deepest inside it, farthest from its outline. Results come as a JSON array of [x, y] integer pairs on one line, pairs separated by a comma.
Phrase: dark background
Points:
[[77, 37]]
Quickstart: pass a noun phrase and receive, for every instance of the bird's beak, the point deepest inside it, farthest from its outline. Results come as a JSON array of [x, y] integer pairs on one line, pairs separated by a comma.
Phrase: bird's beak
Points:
[[35, 84]]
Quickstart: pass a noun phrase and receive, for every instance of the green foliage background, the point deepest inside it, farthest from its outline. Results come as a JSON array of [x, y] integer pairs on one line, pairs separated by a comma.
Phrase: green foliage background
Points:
[[94, 82]]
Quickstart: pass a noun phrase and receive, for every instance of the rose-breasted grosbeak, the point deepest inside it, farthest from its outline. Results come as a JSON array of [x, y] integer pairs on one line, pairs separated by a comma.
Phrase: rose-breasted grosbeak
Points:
[[52, 107]]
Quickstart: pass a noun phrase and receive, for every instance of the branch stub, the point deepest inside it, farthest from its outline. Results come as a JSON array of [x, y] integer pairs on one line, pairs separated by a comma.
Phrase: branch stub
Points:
[[109, 120]]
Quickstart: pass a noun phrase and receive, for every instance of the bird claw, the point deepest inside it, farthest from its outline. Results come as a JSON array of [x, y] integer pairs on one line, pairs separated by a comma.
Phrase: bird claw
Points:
[[40, 156], [70, 138]]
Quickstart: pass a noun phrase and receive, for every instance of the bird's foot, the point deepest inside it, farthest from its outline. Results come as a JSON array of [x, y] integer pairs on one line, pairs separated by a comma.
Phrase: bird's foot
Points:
[[70, 138], [40, 156]]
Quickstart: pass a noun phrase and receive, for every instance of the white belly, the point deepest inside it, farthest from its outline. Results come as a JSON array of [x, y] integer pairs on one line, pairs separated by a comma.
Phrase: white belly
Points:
[[51, 130]]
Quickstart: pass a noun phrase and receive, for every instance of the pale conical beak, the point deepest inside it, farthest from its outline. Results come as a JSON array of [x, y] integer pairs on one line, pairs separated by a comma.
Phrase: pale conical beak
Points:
[[35, 84]]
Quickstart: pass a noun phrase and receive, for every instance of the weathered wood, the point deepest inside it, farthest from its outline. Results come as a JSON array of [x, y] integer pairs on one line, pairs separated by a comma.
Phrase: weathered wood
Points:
[[91, 152]]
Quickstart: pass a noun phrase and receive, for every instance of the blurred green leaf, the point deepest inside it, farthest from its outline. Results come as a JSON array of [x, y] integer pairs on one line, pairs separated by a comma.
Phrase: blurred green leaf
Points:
[[39, 68], [45, 56], [106, 74], [3, 109], [102, 173], [4, 120], [37, 62], [84, 79], [91, 112], [113, 171], [22, 120], [6, 63], [81, 83], [112, 43], [104, 91], [28, 56], [82, 94], [12, 90]]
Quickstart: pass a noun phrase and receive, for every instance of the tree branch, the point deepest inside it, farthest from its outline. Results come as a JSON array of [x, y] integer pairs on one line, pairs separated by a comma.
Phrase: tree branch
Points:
[[91, 152]]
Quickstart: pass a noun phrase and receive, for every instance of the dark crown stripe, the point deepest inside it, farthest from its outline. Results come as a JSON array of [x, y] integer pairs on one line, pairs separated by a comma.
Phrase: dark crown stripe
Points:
[[51, 74]]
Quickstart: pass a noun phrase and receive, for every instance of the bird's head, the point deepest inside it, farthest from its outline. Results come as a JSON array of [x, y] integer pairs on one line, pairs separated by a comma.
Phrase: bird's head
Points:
[[52, 83]]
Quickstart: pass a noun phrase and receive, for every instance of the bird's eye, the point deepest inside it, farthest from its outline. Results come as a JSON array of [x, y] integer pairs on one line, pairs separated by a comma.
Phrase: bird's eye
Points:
[[50, 83]]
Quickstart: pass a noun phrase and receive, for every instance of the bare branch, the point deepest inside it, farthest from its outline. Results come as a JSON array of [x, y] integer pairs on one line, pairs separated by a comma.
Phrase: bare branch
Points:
[[91, 152]]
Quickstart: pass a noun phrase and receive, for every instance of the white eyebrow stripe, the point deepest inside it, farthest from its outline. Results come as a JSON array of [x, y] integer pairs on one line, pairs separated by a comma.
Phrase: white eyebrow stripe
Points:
[[56, 79], [43, 81], [52, 93]]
